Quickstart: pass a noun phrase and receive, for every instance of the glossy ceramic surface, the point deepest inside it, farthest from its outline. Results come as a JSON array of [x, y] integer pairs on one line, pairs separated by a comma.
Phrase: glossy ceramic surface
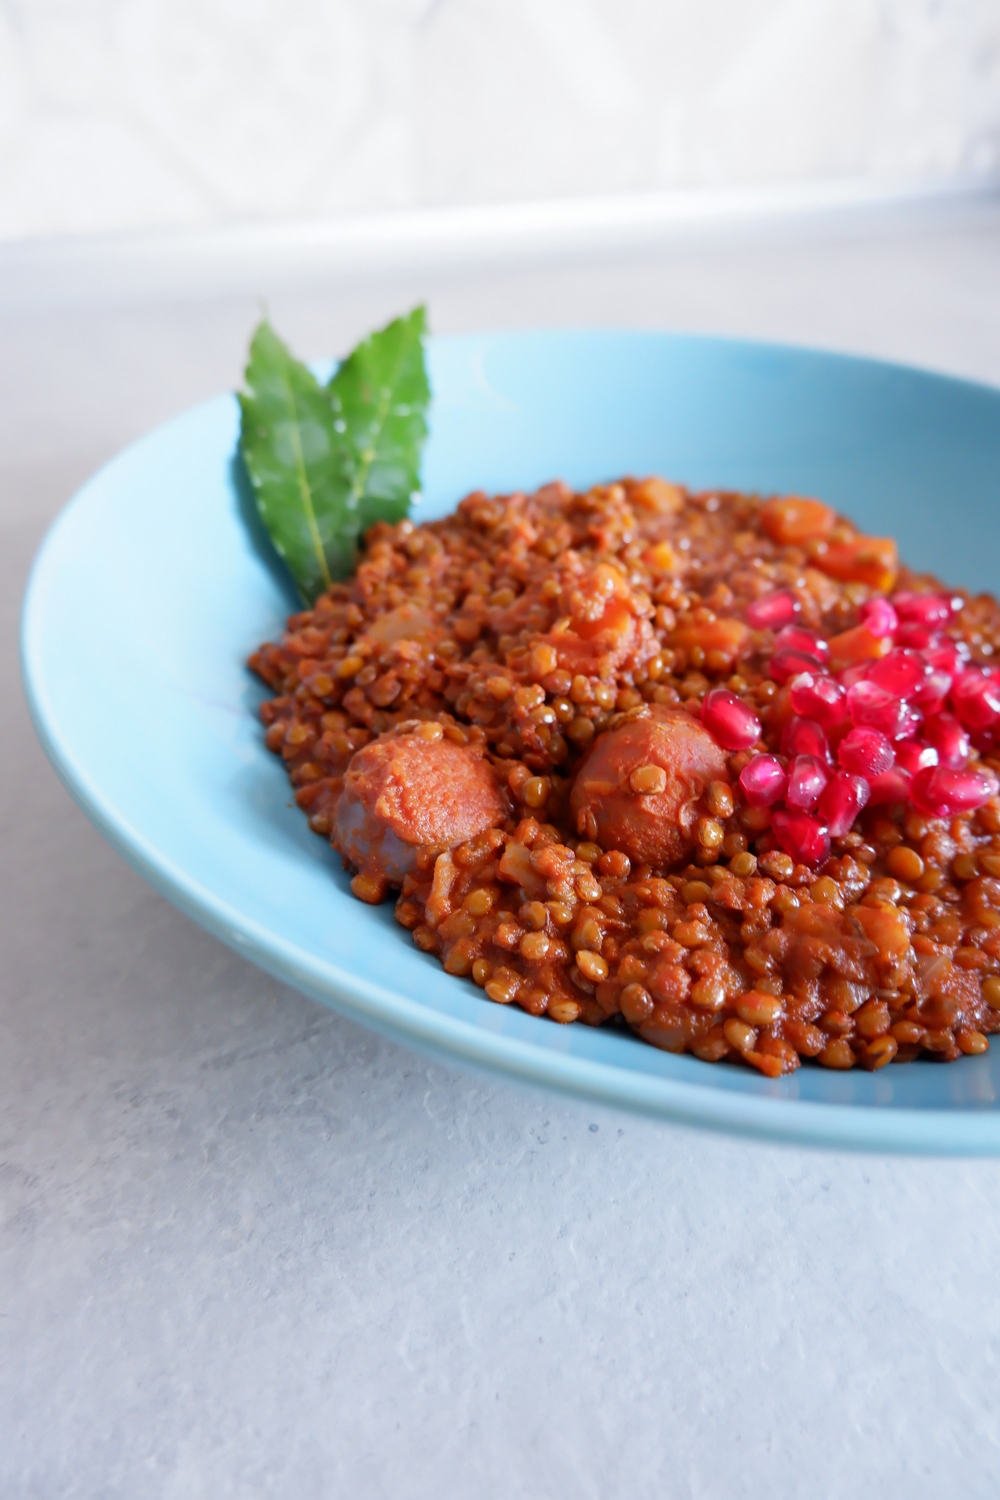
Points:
[[152, 588]]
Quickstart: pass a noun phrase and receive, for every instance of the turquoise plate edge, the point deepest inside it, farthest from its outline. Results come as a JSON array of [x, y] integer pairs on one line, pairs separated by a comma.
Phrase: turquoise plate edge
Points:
[[965, 1131]]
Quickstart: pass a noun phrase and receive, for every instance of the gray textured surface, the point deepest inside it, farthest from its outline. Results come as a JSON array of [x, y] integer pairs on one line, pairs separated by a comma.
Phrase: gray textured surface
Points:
[[247, 1249]]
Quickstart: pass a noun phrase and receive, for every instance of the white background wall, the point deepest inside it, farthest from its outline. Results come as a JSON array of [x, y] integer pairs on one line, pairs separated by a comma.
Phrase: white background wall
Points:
[[124, 114]]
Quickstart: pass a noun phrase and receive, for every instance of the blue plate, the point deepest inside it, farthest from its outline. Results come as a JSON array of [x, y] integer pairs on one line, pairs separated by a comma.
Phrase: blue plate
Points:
[[151, 589]]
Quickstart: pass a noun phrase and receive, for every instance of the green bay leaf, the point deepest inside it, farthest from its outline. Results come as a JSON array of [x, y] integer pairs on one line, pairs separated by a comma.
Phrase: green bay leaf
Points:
[[299, 470], [327, 462], [381, 393]]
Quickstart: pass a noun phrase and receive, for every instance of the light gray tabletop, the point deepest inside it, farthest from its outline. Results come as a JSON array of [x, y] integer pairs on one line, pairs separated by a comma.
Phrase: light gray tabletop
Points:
[[248, 1249]]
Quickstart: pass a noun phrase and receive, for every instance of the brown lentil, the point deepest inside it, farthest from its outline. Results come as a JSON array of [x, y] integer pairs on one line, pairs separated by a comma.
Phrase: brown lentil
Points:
[[904, 863], [648, 779]]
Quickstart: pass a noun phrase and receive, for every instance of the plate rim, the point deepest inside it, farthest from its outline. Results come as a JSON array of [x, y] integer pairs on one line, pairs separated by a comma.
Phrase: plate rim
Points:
[[856, 1127]]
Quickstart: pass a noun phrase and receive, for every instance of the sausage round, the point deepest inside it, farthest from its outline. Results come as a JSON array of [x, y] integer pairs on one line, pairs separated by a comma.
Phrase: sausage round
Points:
[[677, 758], [404, 792]]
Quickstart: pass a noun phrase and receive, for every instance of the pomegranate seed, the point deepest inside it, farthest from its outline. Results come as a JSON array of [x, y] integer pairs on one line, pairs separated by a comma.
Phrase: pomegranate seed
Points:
[[773, 610], [950, 656], [949, 740], [898, 673], [976, 699], [865, 752], [930, 693], [806, 737], [879, 616], [911, 756], [923, 609], [942, 792], [798, 638], [807, 777], [819, 698], [763, 780], [785, 664], [842, 800], [917, 637], [876, 708], [801, 836], [910, 721], [984, 741], [850, 675], [732, 722], [890, 786]]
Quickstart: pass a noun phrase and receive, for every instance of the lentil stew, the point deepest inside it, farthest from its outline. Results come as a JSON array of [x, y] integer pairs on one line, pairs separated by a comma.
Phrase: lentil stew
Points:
[[711, 767]]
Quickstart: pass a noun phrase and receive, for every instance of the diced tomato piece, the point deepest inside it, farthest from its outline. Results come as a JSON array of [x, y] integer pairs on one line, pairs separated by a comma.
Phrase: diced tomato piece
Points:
[[852, 647], [867, 559], [793, 520]]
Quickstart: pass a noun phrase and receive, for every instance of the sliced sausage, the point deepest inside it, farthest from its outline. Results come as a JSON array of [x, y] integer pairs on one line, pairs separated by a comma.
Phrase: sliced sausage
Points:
[[406, 791], [641, 787]]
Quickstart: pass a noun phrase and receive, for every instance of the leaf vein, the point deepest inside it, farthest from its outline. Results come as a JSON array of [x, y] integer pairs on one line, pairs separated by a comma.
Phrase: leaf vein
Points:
[[305, 489]]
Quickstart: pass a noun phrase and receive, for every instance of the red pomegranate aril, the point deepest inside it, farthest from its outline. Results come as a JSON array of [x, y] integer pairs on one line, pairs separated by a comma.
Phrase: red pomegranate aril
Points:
[[843, 798], [949, 740], [880, 617], [942, 792], [786, 664], [807, 777], [922, 609], [984, 741], [976, 699], [763, 780], [912, 756], [798, 638], [732, 722], [876, 707], [916, 637], [801, 836], [900, 672], [772, 611], [820, 698], [806, 737], [890, 786], [910, 721], [950, 656], [930, 693], [850, 675], [865, 752]]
